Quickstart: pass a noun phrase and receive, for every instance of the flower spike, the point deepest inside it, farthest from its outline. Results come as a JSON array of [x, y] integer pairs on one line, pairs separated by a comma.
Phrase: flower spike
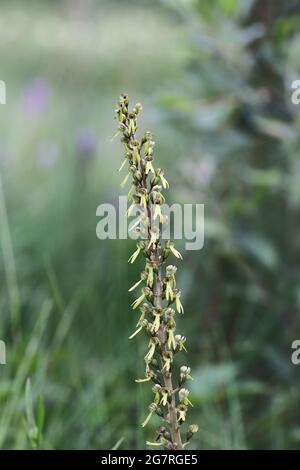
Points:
[[159, 291]]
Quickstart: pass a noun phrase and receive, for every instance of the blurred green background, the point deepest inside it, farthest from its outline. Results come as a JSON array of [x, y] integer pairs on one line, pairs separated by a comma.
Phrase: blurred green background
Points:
[[215, 81]]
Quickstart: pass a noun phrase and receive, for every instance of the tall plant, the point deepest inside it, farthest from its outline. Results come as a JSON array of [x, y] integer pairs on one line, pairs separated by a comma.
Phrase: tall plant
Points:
[[159, 292]]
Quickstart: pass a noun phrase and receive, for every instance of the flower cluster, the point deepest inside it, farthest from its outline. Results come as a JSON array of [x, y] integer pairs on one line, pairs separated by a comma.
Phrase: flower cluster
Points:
[[159, 299]]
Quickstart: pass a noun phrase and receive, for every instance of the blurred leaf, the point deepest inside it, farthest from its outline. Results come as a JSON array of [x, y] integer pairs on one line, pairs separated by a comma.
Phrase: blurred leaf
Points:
[[29, 404], [276, 129], [211, 116], [245, 388], [229, 6], [271, 178], [118, 443], [214, 228], [208, 380], [40, 413], [260, 248]]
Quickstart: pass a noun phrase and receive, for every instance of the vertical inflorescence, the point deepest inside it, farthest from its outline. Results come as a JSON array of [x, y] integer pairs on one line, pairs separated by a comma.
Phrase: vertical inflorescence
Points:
[[159, 299]]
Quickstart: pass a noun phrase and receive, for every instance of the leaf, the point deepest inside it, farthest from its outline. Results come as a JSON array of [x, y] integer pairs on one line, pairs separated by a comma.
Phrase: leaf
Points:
[[29, 404], [40, 413], [118, 443]]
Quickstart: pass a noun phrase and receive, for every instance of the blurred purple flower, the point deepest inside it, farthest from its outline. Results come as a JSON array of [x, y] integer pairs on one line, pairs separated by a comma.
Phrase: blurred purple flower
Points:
[[36, 97], [47, 155], [86, 144]]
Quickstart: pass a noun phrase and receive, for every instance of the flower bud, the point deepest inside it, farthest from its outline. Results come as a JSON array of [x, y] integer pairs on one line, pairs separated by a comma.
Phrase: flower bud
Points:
[[193, 428], [152, 407], [170, 312], [156, 388], [185, 373], [183, 394], [124, 98], [137, 108], [171, 270]]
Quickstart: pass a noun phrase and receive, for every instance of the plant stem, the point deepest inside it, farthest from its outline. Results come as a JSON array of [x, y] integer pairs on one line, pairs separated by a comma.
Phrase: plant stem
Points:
[[167, 376]]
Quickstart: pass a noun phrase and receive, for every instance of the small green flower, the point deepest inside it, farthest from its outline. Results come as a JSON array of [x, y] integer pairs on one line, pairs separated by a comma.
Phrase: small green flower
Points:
[[170, 246], [169, 312], [141, 324], [193, 429], [181, 410], [146, 293], [185, 373], [152, 409], [157, 213], [138, 301], [144, 276], [132, 124], [167, 359], [154, 237], [180, 340], [134, 256], [144, 308], [149, 167], [152, 345], [156, 389], [136, 174], [149, 374], [171, 338], [170, 274], [169, 291], [143, 196], [160, 174], [136, 155], [137, 108], [147, 136], [149, 146], [150, 273], [183, 396], [164, 396], [157, 313], [178, 303]]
